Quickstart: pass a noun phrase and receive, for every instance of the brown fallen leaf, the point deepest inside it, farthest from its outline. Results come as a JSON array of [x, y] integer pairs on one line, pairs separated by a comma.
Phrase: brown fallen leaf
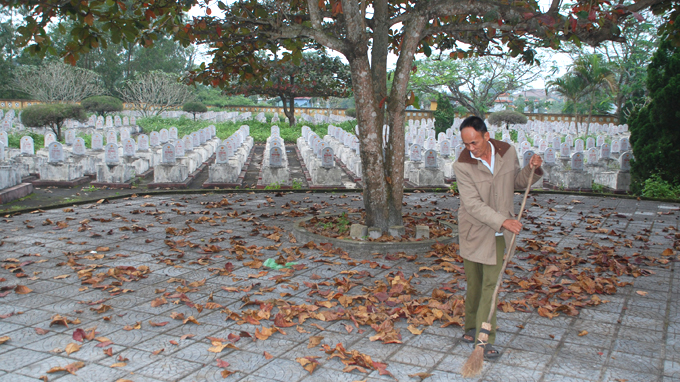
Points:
[[191, 319], [218, 347], [268, 356], [71, 368], [314, 341], [119, 364], [157, 352], [4, 339], [308, 363], [642, 293], [41, 331], [226, 373], [72, 348], [582, 333], [223, 364], [22, 289], [414, 330], [109, 352]]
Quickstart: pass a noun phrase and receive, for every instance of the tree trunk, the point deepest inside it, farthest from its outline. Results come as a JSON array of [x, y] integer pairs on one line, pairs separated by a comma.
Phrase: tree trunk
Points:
[[288, 110]]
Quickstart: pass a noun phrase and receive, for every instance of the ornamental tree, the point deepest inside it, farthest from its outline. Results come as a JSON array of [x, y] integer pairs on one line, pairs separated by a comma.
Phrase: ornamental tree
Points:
[[194, 108], [102, 105], [474, 83], [52, 115], [316, 75], [363, 32]]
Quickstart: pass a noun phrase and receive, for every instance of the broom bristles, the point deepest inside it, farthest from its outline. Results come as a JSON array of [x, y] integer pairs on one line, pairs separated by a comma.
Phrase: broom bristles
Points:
[[474, 365]]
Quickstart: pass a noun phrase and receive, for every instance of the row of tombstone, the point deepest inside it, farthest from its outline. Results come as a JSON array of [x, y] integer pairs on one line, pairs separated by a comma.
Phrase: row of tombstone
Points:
[[228, 147]]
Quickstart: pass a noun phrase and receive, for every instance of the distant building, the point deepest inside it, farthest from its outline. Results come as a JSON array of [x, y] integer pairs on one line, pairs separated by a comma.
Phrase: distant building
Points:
[[503, 100]]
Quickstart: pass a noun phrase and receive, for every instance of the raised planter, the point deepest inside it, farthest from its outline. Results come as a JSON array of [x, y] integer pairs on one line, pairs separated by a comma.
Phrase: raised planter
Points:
[[365, 247]]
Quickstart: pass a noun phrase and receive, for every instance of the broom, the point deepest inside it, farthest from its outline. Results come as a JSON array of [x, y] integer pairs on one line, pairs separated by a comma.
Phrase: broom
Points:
[[474, 365]]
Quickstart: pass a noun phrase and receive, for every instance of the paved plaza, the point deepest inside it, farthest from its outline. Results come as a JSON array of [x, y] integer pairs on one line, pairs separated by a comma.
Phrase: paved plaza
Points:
[[174, 288]]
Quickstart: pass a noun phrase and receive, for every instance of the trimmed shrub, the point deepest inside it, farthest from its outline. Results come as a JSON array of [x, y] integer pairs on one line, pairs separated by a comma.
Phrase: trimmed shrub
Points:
[[507, 117], [52, 115], [102, 105], [194, 108]]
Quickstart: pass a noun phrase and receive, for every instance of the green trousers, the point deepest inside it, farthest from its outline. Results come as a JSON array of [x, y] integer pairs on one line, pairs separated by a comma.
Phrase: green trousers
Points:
[[481, 282]]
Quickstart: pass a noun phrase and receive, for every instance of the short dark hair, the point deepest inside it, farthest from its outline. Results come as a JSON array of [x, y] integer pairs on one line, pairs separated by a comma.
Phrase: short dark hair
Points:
[[475, 122]]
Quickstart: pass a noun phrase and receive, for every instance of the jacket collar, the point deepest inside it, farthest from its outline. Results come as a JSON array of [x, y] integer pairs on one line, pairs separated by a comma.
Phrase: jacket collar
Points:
[[500, 147]]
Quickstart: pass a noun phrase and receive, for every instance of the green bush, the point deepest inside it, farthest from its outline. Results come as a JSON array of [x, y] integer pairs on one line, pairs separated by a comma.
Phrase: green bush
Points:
[[507, 117], [351, 112], [14, 140], [102, 105], [52, 115], [655, 137], [656, 187], [194, 108], [444, 115]]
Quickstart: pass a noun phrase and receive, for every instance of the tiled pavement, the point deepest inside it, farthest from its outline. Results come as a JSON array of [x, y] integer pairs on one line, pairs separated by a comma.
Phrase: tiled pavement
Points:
[[633, 337]]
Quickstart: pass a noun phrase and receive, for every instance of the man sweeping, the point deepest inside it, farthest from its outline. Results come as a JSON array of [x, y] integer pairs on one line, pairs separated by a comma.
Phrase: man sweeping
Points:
[[487, 174]]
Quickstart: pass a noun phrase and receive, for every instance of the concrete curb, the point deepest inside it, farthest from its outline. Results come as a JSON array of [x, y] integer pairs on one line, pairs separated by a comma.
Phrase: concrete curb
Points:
[[360, 247]]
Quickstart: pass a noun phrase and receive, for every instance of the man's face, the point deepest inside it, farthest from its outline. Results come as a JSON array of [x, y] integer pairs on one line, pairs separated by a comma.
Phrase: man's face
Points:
[[475, 141]]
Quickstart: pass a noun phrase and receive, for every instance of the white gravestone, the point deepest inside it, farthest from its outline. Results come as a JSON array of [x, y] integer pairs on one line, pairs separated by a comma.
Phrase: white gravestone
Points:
[[27, 146], [128, 147], [173, 133], [49, 138], [124, 134], [600, 140], [163, 135], [542, 146], [143, 142], [2, 152], [578, 146], [133, 121], [55, 152], [195, 139], [624, 161], [605, 151], [3, 138], [111, 153], [458, 150], [99, 125], [549, 156], [275, 157], [188, 143], [109, 121], [168, 153], [526, 157], [565, 150], [70, 137], [327, 158], [126, 121], [616, 146], [111, 137], [221, 156], [556, 143], [97, 141], [79, 146], [591, 155], [577, 162], [590, 143], [430, 159], [117, 121], [179, 148], [524, 146], [202, 135], [625, 144], [154, 139], [445, 148], [415, 153]]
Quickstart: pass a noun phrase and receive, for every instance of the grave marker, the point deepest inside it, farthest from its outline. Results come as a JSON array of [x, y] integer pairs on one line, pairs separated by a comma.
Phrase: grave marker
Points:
[[526, 157], [143, 142], [173, 133], [565, 151], [577, 162], [590, 143], [549, 156], [111, 137], [111, 153], [221, 156], [97, 142], [49, 138], [445, 148], [78, 146], [128, 147], [179, 148], [327, 158], [55, 152], [624, 161], [154, 139], [168, 153], [616, 146], [578, 145], [275, 157], [26, 145], [415, 153], [605, 151], [3, 138], [163, 135], [430, 159], [591, 156], [188, 143]]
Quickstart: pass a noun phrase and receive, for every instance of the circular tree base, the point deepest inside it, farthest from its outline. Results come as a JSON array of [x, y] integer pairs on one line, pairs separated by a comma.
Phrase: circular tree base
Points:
[[366, 247]]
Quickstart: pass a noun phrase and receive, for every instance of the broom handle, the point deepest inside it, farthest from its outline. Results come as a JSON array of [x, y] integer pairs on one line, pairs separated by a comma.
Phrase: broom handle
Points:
[[511, 251]]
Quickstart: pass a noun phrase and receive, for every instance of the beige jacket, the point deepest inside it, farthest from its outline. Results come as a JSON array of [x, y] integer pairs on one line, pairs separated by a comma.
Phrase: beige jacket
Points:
[[486, 200]]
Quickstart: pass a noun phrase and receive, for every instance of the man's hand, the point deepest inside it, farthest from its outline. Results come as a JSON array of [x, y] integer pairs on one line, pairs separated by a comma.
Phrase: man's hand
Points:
[[512, 225], [535, 161]]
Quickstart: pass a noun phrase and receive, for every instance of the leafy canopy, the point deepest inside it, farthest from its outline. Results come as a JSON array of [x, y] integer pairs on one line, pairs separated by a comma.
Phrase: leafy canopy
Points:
[[101, 105]]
